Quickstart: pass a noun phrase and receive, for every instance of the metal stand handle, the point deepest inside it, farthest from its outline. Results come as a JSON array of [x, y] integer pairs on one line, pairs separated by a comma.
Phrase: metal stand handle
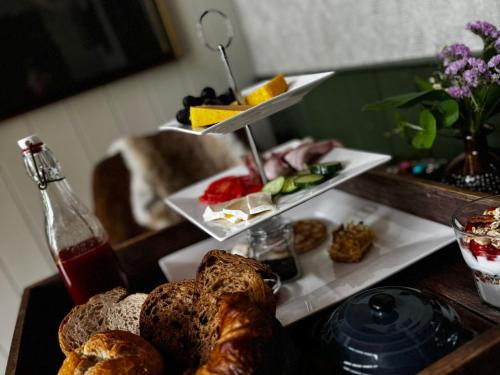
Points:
[[221, 49]]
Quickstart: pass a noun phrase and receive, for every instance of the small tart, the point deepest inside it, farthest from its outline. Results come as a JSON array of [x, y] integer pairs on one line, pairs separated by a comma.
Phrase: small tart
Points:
[[351, 242], [308, 235]]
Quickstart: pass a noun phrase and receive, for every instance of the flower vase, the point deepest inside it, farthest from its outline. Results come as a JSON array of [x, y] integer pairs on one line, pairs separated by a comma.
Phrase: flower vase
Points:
[[477, 168]]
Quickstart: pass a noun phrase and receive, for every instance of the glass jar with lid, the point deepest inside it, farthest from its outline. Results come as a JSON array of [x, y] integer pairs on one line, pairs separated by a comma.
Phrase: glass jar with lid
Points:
[[272, 244]]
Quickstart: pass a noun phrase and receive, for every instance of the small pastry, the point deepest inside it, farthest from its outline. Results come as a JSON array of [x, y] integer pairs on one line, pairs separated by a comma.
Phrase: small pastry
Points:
[[308, 235], [351, 242]]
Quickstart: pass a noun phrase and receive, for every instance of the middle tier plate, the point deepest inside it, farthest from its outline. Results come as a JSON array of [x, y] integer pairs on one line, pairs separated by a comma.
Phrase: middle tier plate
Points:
[[186, 202]]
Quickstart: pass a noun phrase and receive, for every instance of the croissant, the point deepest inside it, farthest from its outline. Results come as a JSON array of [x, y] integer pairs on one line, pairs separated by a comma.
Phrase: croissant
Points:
[[250, 340], [113, 352]]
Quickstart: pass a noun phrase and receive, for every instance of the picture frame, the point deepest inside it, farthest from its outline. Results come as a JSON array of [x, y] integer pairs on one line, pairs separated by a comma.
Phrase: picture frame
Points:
[[57, 48]]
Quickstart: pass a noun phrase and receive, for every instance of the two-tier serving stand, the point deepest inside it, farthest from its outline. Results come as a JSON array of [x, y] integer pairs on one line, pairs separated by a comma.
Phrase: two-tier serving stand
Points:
[[186, 203]]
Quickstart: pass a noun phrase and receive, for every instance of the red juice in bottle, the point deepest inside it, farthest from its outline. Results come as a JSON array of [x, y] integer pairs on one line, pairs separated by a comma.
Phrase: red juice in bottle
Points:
[[88, 268]]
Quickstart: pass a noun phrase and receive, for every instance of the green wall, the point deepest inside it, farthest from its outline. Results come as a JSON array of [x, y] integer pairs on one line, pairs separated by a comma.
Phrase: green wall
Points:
[[333, 110]]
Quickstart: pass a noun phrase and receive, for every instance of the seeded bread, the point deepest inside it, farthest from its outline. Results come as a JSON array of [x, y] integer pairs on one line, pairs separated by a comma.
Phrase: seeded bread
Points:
[[103, 312], [166, 320], [222, 273]]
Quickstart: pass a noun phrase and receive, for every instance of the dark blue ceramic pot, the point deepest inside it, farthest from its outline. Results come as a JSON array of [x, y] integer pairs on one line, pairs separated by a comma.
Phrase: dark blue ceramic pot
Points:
[[390, 330]]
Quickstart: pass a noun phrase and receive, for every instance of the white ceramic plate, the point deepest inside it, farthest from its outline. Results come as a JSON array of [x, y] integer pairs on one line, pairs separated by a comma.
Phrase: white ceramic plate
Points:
[[298, 87], [186, 201], [401, 239]]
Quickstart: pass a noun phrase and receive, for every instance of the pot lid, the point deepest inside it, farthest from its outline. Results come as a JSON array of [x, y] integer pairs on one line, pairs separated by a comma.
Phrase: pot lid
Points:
[[390, 328]]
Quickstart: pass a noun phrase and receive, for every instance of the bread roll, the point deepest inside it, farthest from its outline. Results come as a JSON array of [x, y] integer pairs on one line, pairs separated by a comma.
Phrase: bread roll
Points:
[[113, 353]]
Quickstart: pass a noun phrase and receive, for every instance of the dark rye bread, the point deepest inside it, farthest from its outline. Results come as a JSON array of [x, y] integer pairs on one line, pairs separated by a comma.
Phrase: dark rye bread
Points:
[[166, 322], [221, 273]]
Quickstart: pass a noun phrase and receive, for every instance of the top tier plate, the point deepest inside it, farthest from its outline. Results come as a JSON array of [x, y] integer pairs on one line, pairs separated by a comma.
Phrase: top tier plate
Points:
[[298, 87]]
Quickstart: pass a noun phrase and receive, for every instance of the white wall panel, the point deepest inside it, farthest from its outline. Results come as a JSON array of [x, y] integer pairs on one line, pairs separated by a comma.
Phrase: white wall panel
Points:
[[9, 307], [131, 106], [8, 315], [165, 88], [20, 251], [94, 122], [296, 35]]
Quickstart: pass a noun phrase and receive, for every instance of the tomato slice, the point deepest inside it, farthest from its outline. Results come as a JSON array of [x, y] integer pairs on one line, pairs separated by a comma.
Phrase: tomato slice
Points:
[[230, 187], [223, 190]]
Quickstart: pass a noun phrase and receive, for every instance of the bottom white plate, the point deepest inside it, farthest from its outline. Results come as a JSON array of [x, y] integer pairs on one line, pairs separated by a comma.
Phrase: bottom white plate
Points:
[[401, 239]]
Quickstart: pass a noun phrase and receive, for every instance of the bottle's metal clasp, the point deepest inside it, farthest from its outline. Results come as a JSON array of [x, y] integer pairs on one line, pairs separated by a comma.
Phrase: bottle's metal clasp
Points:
[[41, 176]]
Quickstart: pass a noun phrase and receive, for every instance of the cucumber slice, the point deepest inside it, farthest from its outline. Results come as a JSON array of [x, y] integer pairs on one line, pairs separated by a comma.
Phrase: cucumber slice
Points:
[[309, 180], [326, 169], [274, 187], [289, 186]]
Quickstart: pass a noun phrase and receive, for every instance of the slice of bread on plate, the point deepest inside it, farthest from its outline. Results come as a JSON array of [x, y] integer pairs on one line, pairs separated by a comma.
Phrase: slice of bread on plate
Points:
[[113, 310]]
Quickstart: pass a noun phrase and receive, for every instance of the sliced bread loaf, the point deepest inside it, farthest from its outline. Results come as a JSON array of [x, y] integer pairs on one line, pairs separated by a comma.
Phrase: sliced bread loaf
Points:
[[102, 312], [166, 322]]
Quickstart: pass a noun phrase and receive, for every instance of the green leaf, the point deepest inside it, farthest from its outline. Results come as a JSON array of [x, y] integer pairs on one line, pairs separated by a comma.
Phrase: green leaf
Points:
[[449, 112], [401, 126], [425, 138], [407, 100], [491, 102], [422, 84]]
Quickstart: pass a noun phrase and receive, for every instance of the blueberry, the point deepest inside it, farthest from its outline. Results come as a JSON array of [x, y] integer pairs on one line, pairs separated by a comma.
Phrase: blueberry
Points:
[[212, 101], [191, 101], [208, 92], [183, 116], [224, 99]]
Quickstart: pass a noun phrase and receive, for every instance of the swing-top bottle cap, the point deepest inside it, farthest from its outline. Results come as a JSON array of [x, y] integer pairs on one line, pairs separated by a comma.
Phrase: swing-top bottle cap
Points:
[[31, 142]]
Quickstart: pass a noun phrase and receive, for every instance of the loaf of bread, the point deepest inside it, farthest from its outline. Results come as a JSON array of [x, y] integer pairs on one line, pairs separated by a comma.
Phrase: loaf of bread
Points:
[[165, 321], [113, 352], [113, 310]]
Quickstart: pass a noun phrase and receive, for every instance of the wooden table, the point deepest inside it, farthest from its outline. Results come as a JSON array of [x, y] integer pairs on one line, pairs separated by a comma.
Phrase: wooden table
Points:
[[35, 349]]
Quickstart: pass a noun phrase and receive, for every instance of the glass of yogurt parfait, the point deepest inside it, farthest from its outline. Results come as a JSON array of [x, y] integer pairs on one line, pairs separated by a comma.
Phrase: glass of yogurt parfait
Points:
[[477, 228]]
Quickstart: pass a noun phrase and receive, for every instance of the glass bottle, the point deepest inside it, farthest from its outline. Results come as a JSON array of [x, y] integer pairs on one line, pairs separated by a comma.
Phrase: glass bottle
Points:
[[77, 240], [272, 244]]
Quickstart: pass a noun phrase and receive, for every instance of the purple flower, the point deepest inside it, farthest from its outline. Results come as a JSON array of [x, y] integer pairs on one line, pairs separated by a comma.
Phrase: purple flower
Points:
[[484, 29], [497, 45], [471, 77], [477, 64], [454, 52], [455, 67], [494, 62], [458, 92]]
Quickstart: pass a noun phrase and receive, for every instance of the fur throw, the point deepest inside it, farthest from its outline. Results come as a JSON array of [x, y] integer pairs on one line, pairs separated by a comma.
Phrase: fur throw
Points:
[[163, 163]]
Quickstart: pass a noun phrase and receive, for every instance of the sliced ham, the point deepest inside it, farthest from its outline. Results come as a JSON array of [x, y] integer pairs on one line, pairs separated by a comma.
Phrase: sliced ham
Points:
[[290, 160], [305, 154], [275, 166]]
